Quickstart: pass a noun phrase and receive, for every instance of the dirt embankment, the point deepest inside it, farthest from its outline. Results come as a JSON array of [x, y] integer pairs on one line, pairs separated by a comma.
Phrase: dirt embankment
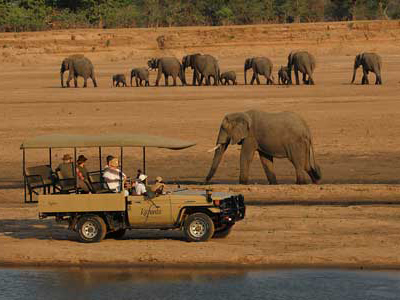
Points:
[[355, 134]]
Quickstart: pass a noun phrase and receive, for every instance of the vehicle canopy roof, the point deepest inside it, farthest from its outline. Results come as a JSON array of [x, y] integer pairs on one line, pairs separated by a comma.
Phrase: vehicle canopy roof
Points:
[[109, 140]]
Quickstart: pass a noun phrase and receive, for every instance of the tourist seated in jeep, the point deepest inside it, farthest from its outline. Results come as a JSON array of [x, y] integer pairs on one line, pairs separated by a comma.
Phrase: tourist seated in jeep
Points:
[[66, 168], [158, 187], [82, 174], [113, 176], [140, 187]]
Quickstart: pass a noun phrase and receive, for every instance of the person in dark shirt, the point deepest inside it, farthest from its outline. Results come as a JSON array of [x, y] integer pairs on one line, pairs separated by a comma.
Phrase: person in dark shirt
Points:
[[82, 174], [66, 168]]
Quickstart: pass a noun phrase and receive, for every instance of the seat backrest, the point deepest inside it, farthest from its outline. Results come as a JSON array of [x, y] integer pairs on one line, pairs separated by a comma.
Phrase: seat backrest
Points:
[[44, 171], [97, 182]]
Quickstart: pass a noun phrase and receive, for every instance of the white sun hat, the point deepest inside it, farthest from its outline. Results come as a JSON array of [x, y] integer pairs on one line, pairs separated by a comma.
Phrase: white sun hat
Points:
[[142, 177]]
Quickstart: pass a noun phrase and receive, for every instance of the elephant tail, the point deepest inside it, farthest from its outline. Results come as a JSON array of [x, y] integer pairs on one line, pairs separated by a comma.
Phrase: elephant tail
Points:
[[315, 170]]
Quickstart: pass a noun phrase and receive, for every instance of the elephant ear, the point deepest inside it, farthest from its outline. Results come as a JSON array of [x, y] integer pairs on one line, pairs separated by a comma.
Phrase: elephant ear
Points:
[[238, 126]]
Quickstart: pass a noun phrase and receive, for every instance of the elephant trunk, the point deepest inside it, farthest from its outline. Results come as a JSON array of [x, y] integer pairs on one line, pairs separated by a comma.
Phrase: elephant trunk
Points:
[[245, 75], [354, 74], [219, 152]]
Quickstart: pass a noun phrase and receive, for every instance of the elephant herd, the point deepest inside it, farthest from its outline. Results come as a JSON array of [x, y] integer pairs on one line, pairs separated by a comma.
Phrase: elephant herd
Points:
[[206, 70]]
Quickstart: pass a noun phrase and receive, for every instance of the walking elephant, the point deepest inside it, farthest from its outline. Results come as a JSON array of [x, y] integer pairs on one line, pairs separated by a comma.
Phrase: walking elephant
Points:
[[169, 66], [370, 62], [283, 76], [206, 66], [118, 79], [305, 63], [140, 74], [279, 135], [78, 65], [261, 66], [227, 77]]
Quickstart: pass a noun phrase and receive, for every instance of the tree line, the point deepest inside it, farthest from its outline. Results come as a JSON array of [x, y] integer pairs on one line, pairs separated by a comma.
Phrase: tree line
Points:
[[32, 15]]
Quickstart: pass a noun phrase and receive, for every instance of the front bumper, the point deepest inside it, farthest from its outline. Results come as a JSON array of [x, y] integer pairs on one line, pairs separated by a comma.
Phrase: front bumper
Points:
[[233, 209]]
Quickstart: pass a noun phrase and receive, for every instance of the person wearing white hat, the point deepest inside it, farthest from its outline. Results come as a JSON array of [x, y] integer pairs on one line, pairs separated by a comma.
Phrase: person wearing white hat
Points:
[[158, 187], [112, 176], [140, 187]]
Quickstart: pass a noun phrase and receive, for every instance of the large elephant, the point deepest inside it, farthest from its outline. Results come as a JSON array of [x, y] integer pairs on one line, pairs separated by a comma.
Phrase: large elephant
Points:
[[280, 135], [78, 65], [205, 66], [370, 62], [260, 66], [305, 63], [169, 66], [140, 74]]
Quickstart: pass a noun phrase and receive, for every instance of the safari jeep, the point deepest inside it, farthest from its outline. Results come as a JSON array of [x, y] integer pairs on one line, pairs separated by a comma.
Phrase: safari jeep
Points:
[[201, 215]]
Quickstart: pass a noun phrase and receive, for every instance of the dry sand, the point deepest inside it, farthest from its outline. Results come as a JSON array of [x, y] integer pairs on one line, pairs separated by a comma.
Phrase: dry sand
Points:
[[355, 131]]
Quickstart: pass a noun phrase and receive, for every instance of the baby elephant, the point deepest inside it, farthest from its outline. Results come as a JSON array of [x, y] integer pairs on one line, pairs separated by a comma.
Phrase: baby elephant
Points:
[[226, 77], [140, 74], [119, 79], [283, 75]]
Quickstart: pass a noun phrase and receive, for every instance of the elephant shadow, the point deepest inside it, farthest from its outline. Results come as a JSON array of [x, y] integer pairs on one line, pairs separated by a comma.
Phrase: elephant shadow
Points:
[[36, 229]]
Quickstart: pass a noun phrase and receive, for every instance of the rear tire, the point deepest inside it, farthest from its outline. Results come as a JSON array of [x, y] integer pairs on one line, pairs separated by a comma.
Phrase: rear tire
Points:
[[223, 232], [91, 229], [198, 227]]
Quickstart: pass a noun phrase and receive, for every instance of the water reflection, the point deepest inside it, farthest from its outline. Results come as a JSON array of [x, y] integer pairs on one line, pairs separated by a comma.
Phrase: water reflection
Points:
[[82, 283]]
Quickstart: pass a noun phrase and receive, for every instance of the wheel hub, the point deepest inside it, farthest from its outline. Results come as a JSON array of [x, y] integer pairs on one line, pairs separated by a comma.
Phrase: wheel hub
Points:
[[198, 228], [89, 230]]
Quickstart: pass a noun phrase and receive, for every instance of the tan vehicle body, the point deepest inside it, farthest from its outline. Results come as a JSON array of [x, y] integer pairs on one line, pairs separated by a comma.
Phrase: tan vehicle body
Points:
[[116, 213], [162, 211]]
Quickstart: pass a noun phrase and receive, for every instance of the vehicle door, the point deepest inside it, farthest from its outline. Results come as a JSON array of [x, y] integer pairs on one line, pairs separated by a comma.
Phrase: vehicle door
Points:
[[143, 212]]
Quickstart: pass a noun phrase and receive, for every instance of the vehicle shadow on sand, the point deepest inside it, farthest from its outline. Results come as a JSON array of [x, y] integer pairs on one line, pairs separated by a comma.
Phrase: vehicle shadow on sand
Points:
[[50, 230]]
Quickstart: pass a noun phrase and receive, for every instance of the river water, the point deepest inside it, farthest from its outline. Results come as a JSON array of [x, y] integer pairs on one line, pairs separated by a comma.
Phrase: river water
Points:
[[189, 284]]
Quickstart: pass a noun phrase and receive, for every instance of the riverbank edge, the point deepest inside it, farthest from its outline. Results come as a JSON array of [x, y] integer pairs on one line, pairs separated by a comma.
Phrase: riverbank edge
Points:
[[200, 266]]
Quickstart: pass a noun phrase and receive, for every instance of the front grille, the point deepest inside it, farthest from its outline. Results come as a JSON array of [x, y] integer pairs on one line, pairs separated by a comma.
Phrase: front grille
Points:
[[233, 207]]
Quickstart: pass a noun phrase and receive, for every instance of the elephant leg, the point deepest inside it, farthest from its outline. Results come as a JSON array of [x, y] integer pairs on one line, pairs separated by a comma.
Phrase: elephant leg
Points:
[[253, 78], [166, 79], [201, 80], [93, 80], [305, 81], [257, 79], [298, 158], [267, 162], [296, 74], [246, 157], [378, 78], [158, 77], [365, 77], [137, 82], [75, 81], [174, 79]]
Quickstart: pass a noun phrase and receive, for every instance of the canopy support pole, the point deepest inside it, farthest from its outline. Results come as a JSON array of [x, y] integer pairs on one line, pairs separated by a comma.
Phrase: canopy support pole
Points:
[[120, 175], [144, 160], [50, 168], [100, 159], [24, 173], [76, 186]]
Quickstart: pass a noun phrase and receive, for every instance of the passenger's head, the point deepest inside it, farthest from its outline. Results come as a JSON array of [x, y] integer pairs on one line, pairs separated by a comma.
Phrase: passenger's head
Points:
[[113, 163], [109, 158], [142, 177], [159, 179], [81, 159], [67, 158]]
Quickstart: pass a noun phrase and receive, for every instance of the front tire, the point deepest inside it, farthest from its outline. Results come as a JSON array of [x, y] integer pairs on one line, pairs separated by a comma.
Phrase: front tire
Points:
[[91, 229], [198, 227]]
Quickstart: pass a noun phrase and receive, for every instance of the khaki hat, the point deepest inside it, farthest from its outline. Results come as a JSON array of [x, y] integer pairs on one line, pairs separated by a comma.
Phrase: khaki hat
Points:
[[67, 157], [114, 162], [158, 179], [81, 159], [142, 177]]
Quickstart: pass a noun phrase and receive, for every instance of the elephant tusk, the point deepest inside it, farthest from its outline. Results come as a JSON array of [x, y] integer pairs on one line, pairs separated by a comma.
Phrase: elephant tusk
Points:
[[214, 148]]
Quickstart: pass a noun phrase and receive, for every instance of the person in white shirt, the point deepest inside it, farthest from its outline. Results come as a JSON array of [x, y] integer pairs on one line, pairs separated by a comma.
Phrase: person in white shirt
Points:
[[113, 176], [140, 187]]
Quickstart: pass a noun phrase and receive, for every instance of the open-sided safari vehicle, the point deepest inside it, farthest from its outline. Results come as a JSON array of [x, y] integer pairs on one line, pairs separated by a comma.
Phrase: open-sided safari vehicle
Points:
[[200, 214]]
